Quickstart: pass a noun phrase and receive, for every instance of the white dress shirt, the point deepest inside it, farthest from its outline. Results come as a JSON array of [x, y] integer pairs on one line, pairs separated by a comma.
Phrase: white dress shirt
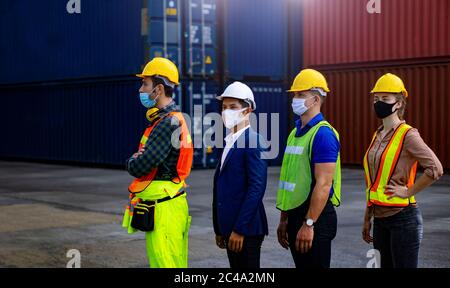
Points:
[[229, 142]]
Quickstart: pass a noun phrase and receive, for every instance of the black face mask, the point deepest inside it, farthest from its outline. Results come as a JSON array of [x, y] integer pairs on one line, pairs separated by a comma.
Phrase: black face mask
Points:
[[383, 109]]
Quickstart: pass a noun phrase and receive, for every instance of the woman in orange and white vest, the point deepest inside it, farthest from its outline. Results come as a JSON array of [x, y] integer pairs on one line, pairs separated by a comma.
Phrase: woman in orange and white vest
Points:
[[390, 165]]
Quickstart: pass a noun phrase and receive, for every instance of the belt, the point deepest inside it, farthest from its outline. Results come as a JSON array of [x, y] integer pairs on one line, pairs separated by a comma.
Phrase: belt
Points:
[[164, 199]]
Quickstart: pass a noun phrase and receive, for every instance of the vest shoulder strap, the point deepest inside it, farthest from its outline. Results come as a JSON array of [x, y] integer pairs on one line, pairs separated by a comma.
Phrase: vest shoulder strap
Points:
[[176, 114], [317, 127], [394, 148]]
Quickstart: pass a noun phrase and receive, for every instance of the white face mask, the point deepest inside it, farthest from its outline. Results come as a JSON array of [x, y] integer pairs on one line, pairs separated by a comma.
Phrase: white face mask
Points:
[[299, 107], [232, 118]]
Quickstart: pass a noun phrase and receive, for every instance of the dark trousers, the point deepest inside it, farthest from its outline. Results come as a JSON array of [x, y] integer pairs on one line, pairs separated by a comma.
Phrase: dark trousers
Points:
[[398, 238], [249, 256], [325, 230]]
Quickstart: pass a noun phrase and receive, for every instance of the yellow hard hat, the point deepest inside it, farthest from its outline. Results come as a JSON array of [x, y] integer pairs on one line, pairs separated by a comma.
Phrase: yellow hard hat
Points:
[[390, 83], [161, 67], [309, 79]]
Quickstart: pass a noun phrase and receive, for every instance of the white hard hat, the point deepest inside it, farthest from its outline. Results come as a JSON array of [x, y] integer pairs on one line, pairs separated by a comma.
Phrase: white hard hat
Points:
[[241, 91]]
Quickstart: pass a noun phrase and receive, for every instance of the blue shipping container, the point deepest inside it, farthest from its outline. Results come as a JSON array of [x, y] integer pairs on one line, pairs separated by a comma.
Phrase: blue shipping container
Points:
[[199, 100], [107, 38], [90, 122], [164, 30], [201, 39], [102, 122], [165, 34], [43, 41], [272, 108], [271, 121], [256, 39]]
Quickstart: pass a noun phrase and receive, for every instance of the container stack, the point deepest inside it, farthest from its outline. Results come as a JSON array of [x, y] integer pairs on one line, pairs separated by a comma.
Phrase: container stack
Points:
[[354, 48], [257, 42], [185, 32], [200, 84], [69, 93], [67, 81]]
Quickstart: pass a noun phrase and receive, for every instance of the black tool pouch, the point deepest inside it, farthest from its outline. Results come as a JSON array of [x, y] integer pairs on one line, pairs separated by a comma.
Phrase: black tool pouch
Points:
[[144, 216]]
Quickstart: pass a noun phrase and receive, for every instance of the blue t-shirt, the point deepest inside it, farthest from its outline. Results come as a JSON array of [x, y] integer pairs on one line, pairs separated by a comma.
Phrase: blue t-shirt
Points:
[[325, 148]]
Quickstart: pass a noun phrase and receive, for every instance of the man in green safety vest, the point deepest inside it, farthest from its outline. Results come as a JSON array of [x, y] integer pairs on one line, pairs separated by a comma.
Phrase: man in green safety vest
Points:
[[310, 179]]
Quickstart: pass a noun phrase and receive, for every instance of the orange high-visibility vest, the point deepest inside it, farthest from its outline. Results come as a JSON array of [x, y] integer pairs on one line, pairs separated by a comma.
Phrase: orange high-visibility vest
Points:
[[185, 158], [389, 158]]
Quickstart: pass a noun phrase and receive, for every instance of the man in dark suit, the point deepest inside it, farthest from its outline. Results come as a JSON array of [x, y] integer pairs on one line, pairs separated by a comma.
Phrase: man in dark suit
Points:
[[239, 217]]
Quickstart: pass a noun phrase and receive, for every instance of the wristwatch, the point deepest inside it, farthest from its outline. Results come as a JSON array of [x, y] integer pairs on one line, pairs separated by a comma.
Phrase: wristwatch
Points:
[[309, 222]]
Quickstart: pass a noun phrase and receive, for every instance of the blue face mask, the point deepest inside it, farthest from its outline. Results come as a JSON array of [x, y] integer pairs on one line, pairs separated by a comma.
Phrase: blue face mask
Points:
[[146, 101]]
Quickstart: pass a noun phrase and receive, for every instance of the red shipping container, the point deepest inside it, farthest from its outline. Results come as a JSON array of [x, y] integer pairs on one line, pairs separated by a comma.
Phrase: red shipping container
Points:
[[343, 31], [350, 106]]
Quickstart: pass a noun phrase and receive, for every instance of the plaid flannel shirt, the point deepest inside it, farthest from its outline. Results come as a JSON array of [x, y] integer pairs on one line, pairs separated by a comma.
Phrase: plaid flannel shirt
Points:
[[159, 151]]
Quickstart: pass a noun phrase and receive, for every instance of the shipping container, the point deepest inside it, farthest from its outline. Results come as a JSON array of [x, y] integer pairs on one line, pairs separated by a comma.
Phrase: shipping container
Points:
[[164, 30], [349, 31], [106, 39], [294, 39], [115, 38], [44, 42], [96, 122], [269, 120], [256, 39], [101, 122], [65, 74], [201, 38], [199, 101], [184, 30], [74, 122], [272, 109], [349, 108]]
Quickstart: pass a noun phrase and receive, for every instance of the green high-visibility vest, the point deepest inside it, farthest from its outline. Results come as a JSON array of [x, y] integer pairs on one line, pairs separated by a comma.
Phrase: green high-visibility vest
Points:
[[296, 176]]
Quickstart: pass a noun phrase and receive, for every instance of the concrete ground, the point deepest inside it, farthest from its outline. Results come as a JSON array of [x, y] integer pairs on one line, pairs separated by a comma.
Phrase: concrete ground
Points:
[[46, 210]]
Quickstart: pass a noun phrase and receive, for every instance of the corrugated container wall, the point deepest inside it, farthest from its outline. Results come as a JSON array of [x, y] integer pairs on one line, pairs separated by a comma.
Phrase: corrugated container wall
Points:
[[199, 101], [42, 42], [345, 32], [66, 85], [354, 47], [271, 101], [83, 122], [350, 107], [101, 122], [201, 38], [185, 32], [256, 39], [270, 115], [272, 122], [164, 30]]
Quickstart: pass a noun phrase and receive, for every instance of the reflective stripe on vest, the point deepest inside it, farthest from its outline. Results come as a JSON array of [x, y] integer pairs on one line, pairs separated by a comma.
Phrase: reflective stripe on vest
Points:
[[296, 176], [294, 150], [185, 158], [389, 159]]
